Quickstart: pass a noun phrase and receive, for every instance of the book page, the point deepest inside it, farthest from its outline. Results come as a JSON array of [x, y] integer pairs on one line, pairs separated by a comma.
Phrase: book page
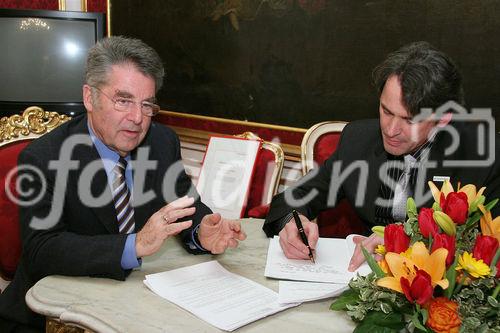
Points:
[[215, 295], [226, 174], [332, 259]]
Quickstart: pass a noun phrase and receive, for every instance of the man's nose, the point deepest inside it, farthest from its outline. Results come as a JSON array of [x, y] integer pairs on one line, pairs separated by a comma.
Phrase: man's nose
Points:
[[135, 113], [393, 127]]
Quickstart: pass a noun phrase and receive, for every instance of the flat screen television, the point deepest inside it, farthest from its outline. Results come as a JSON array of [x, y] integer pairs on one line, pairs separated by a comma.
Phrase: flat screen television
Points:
[[42, 59]]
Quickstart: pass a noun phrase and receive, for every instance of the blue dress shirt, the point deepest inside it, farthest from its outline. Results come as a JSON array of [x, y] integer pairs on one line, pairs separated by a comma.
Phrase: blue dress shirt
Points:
[[109, 159]]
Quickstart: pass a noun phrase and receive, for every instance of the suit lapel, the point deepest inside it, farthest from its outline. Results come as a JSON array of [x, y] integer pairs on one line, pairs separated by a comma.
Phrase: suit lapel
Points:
[[143, 212], [98, 182]]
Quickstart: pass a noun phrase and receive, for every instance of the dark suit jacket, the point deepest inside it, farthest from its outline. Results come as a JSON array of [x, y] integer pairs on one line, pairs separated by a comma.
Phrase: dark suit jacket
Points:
[[85, 241], [362, 141]]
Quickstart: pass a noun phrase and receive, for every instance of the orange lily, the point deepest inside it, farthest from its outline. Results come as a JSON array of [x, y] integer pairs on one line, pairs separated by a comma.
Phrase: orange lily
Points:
[[489, 226], [406, 265]]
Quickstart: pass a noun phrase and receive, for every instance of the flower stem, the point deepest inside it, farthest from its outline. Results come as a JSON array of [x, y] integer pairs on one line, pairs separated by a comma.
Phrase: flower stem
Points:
[[496, 291], [495, 259], [460, 284]]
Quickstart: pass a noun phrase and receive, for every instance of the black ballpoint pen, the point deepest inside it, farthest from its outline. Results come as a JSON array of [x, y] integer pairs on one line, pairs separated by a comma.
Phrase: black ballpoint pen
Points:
[[302, 233]]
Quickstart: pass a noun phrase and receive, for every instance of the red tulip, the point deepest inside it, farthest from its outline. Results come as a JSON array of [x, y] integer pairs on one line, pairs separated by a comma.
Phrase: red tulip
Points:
[[395, 239], [420, 290], [447, 242], [426, 222], [485, 248], [456, 206]]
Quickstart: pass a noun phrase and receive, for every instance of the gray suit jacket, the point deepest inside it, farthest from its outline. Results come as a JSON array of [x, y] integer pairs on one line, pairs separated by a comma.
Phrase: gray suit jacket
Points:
[[85, 241]]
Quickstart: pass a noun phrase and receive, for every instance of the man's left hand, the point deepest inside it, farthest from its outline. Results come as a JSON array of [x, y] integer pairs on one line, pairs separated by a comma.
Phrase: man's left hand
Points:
[[370, 244], [217, 234]]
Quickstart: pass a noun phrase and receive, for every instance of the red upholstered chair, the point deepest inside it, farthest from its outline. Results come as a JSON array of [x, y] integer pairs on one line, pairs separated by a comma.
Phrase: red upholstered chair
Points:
[[319, 142], [15, 133], [266, 177]]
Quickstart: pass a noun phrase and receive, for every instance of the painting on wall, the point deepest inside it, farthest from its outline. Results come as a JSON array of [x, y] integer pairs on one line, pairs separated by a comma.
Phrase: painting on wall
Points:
[[299, 62]]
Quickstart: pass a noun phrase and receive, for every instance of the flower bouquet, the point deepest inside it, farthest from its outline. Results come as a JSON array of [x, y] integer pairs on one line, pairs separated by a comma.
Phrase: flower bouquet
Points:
[[438, 273]]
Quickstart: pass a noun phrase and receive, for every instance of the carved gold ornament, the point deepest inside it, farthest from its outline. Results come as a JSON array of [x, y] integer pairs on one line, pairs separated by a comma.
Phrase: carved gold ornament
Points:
[[31, 124]]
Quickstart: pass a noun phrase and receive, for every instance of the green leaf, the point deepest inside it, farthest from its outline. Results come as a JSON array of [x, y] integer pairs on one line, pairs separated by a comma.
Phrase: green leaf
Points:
[[491, 204], [451, 275], [416, 322], [372, 263], [479, 201], [425, 315], [471, 221], [391, 320], [493, 302], [368, 328], [436, 207], [495, 259], [347, 297]]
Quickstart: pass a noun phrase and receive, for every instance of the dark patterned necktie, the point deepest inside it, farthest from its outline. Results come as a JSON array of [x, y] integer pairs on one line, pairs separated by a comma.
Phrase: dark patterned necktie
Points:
[[121, 199]]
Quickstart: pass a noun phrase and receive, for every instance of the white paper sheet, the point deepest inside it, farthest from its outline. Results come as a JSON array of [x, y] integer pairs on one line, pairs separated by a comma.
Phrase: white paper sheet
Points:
[[295, 291], [332, 259], [215, 295]]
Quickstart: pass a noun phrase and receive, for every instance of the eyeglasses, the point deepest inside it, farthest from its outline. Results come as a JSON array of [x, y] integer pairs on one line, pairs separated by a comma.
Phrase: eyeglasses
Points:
[[123, 104]]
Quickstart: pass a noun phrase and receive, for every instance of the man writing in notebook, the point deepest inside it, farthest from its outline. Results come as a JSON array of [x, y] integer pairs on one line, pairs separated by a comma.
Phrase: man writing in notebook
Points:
[[379, 163], [113, 188]]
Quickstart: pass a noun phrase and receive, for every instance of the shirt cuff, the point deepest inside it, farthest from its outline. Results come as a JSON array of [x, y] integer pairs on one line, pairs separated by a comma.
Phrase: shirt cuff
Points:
[[129, 256], [194, 243]]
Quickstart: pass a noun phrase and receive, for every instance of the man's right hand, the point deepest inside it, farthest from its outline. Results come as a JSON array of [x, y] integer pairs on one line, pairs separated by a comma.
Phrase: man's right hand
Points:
[[160, 226], [292, 244]]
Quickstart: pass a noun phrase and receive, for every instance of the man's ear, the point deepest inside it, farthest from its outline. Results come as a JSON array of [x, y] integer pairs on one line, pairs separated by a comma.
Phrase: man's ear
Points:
[[445, 119], [87, 97]]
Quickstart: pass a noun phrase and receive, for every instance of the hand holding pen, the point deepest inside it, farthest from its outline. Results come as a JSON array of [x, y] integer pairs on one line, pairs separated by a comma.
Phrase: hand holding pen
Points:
[[302, 233]]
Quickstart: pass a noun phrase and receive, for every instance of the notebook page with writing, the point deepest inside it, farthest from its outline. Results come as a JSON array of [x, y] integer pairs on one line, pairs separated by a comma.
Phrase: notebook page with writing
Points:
[[332, 259]]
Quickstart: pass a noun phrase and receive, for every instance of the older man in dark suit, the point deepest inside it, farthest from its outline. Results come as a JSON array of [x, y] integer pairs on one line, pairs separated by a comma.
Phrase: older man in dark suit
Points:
[[113, 186], [380, 163]]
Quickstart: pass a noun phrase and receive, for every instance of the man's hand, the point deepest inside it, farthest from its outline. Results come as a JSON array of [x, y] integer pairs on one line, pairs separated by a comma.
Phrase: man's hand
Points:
[[217, 234], [369, 243], [160, 226], [292, 244]]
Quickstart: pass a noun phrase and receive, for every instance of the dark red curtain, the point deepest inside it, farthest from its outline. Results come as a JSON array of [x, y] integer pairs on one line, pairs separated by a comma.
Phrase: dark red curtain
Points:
[[92, 5], [30, 4], [96, 6]]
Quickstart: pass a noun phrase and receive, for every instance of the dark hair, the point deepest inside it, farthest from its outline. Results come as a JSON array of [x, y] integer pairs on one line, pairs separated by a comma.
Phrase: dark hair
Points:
[[428, 77], [120, 50]]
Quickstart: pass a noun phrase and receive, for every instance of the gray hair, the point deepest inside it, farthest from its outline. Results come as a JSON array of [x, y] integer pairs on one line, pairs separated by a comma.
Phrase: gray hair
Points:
[[122, 50]]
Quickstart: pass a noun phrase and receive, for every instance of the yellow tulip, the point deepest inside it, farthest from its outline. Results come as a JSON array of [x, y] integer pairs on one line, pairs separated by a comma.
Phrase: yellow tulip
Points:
[[406, 265], [489, 227]]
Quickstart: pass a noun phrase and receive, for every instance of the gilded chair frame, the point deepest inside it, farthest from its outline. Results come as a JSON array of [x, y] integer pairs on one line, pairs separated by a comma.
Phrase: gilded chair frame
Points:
[[31, 124], [310, 138], [279, 159]]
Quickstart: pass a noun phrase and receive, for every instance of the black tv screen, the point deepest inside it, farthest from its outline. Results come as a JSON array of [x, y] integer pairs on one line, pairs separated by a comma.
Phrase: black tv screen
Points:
[[43, 55]]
